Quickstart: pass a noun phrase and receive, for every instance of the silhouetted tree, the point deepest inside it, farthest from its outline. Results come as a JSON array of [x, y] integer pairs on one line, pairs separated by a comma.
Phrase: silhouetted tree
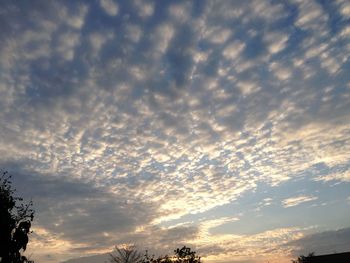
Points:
[[185, 255], [126, 254], [182, 255], [152, 259], [129, 254], [15, 222], [304, 259]]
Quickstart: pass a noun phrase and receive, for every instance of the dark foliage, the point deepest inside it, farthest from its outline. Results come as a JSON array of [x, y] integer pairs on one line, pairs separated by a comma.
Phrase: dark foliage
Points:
[[304, 259], [130, 255], [15, 222], [182, 255]]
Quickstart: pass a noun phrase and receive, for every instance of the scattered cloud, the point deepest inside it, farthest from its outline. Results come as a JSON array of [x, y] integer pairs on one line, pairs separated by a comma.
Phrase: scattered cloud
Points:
[[276, 42], [327, 242], [145, 8], [343, 176], [294, 201], [110, 7], [146, 112]]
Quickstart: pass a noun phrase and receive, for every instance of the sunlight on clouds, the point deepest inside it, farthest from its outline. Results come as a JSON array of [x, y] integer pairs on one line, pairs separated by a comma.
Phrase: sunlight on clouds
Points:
[[312, 135], [97, 40], [67, 43], [265, 202], [188, 107], [268, 244], [48, 241], [180, 12], [311, 17], [233, 50], [110, 7], [282, 73], [343, 176], [145, 8], [248, 88], [206, 225], [268, 11], [74, 19], [345, 33], [163, 34], [44, 245], [276, 41], [344, 7], [294, 201], [217, 35], [134, 33]]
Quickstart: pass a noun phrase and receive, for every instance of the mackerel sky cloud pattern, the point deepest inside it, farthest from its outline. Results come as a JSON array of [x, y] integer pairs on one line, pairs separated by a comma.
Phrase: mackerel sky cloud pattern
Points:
[[222, 125]]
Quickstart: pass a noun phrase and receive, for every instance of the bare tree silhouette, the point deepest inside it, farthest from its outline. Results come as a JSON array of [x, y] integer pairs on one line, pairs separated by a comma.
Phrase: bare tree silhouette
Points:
[[126, 254]]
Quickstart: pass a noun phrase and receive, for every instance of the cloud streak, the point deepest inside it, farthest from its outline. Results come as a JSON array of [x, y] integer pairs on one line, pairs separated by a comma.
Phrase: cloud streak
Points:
[[294, 201]]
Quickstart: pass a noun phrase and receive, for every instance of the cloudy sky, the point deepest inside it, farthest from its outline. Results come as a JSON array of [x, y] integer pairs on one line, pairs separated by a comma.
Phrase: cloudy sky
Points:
[[222, 125]]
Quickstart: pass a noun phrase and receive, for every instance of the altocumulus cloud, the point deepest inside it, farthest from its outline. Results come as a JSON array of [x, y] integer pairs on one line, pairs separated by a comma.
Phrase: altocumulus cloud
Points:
[[123, 116]]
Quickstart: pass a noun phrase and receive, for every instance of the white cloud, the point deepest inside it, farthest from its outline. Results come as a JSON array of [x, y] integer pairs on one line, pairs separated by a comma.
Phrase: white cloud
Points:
[[207, 225], [74, 19], [343, 176], [294, 201], [180, 12], [344, 8], [265, 202], [270, 12], [345, 33], [145, 8], [217, 35], [98, 40], [281, 72], [67, 43], [248, 87], [134, 33], [163, 35], [233, 50], [248, 247], [312, 17], [110, 7], [276, 42]]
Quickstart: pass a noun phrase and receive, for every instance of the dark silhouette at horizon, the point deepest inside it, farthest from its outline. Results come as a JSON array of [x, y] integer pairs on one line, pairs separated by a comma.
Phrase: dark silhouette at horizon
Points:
[[343, 257], [15, 223], [130, 254]]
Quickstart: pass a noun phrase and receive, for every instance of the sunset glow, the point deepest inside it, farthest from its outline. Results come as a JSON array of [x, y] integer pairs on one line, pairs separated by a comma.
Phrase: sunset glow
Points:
[[219, 125]]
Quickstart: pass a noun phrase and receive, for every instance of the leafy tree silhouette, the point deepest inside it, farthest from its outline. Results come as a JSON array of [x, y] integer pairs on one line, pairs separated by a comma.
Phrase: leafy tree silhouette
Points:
[[15, 222], [304, 259], [182, 255], [129, 254], [185, 255]]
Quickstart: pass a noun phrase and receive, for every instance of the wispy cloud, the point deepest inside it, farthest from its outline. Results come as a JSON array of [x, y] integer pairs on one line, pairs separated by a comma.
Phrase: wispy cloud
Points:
[[110, 7], [294, 201]]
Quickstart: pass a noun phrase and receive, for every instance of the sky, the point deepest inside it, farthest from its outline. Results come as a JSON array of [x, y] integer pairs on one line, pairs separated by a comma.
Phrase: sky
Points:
[[220, 125]]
